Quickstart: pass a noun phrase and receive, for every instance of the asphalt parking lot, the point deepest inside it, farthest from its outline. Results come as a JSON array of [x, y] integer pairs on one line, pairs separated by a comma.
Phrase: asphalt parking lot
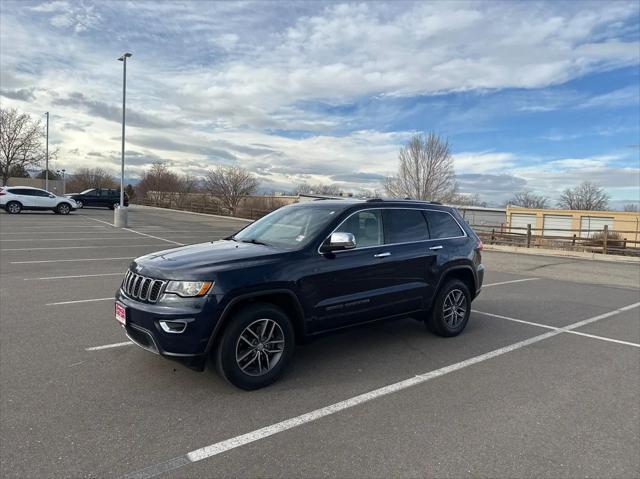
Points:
[[544, 382]]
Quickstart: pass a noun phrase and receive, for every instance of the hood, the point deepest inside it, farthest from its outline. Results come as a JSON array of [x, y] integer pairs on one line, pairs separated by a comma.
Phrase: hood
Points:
[[200, 261]]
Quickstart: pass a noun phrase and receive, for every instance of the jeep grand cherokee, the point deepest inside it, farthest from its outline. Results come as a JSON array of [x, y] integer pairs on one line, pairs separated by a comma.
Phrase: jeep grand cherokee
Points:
[[302, 270]]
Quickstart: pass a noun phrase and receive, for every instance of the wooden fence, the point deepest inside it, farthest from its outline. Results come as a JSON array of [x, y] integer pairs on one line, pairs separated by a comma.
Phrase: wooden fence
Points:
[[605, 241]]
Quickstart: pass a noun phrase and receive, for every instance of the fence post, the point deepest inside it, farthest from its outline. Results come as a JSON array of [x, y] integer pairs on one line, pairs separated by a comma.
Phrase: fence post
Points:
[[493, 235], [573, 242], [604, 241], [528, 236]]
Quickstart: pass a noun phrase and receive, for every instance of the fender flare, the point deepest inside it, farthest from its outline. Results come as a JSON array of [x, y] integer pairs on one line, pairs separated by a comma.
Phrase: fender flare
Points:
[[225, 316], [458, 267]]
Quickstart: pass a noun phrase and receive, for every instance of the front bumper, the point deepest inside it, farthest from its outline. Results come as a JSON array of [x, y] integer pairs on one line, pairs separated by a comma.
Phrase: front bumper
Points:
[[144, 325]]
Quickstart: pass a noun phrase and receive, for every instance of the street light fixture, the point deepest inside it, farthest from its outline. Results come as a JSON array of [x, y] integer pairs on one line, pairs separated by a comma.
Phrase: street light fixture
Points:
[[120, 213]]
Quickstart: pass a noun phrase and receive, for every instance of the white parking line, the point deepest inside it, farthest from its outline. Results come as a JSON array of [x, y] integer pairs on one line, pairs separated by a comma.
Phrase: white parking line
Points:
[[138, 232], [509, 282], [253, 436], [75, 238], [74, 276], [109, 346], [81, 301], [562, 330], [56, 224], [81, 247], [68, 260], [90, 238]]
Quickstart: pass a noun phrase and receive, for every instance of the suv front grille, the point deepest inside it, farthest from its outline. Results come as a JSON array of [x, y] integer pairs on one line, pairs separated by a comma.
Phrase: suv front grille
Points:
[[142, 288]]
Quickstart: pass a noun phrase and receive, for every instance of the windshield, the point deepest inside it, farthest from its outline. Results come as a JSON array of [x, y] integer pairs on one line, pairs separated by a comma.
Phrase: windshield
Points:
[[86, 191], [289, 227]]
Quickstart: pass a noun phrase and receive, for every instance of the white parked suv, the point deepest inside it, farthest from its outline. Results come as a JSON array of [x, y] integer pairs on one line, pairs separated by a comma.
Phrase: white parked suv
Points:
[[14, 199]]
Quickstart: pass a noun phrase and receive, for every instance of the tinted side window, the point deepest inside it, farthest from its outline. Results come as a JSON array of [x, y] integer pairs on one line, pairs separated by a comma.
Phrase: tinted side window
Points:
[[366, 226], [442, 225], [403, 226], [25, 192], [41, 193]]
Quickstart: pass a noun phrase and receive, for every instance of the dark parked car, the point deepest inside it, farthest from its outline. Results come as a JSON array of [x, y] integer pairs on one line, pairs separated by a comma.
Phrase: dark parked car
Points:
[[105, 197], [300, 271]]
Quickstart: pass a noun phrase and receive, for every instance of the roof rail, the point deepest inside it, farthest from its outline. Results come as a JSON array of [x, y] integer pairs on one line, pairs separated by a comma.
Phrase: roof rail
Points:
[[374, 200]]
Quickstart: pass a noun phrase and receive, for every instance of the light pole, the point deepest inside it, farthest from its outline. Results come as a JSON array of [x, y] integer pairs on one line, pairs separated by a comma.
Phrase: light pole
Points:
[[46, 158], [120, 213]]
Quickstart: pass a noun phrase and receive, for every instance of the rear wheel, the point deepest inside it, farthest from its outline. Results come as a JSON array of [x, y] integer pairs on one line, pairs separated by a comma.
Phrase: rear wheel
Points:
[[256, 346], [451, 309], [63, 208], [13, 208]]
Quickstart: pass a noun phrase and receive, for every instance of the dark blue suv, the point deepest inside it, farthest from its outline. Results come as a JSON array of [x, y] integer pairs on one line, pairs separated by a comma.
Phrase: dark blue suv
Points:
[[300, 271]]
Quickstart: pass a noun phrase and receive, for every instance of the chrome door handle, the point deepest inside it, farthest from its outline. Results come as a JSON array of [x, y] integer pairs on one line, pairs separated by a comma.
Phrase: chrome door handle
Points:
[[436, 247], [382, 255]]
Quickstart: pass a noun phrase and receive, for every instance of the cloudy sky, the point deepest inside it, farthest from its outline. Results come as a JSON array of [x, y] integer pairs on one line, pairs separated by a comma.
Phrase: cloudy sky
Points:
[[530, 94]]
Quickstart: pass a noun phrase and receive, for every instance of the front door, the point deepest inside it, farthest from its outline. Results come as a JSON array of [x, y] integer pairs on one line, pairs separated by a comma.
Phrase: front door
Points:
[[347, 287]]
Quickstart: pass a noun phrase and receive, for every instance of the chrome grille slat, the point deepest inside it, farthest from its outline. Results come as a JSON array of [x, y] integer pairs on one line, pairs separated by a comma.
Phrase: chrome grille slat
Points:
[[142, 288]]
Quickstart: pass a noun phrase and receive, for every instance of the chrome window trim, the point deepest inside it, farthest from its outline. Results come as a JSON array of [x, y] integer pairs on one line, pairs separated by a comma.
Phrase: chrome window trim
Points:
[[465, 235]]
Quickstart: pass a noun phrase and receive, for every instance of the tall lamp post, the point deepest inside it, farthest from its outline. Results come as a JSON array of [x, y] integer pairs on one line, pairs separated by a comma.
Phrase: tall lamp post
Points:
[[120, 213], [46, 158]]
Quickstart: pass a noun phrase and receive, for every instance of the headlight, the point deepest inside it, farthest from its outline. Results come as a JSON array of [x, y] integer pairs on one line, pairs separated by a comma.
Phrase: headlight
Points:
[[189, 289]]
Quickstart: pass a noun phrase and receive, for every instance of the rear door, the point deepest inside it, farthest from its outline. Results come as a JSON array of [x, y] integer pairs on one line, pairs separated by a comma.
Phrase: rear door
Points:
[[25, 196], [448, 242], [411, 282]]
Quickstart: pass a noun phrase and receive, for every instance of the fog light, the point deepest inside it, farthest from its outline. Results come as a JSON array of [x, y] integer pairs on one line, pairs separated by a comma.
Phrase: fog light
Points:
[[173, 327]]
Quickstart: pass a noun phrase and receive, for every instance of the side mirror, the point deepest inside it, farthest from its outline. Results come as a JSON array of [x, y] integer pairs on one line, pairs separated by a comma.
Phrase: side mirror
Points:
[[340, 242]]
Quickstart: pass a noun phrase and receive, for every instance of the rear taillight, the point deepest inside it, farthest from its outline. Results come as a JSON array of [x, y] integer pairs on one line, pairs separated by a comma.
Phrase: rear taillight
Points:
[[479, 245]]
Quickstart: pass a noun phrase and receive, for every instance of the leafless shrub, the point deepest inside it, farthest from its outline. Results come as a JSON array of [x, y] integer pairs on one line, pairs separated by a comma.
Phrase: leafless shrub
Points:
[[85, 178]]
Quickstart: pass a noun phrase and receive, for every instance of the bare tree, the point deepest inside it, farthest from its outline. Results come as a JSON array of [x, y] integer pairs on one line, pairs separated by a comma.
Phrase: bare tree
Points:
[[469, 200], [85, 178], [528, 199], [317, 189], [631, 207], [426, 170], [230, 184], [21, 141], [585, 196]]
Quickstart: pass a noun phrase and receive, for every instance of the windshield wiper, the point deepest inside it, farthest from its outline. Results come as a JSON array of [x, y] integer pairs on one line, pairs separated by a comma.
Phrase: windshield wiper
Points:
[[254, 241]]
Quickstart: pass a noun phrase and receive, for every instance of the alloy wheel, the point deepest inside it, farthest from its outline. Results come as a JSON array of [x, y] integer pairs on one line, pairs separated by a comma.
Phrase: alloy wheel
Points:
[[260, 347], [455, 308]]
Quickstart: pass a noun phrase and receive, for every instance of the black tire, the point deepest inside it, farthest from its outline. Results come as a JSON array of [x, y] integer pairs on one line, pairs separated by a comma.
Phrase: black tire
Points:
[[13, 207], [444, 319], [231, 346], [63, 209]]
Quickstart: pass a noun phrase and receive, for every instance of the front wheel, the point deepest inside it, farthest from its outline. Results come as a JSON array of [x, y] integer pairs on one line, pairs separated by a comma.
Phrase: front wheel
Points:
[[451, 309], [256, 347], [63, 209]]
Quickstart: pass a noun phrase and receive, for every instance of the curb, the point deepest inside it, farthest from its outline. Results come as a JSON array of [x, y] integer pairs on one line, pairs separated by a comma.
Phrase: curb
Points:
[[193, 213], [562, 254]]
